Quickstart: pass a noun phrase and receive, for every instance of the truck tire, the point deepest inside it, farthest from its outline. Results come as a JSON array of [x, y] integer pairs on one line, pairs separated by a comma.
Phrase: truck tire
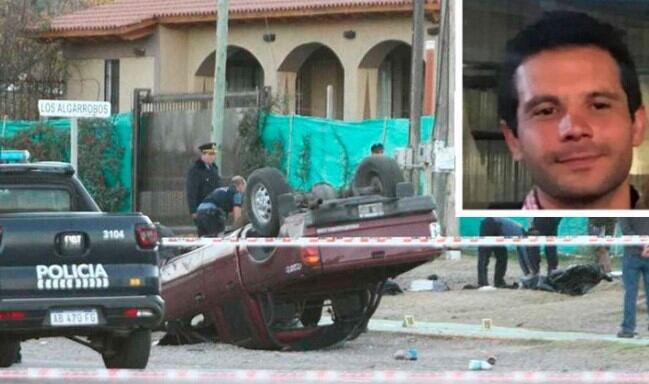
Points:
[[8, 352], [262, 200], [131, 352], [381, 172]]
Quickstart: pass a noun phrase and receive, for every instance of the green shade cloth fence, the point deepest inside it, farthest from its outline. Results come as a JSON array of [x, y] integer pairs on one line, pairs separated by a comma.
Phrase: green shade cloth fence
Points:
[[122, 125], [322, 150]]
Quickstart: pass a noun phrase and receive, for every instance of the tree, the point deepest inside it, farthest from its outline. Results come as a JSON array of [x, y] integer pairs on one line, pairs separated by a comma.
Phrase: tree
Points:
[[31, 69]]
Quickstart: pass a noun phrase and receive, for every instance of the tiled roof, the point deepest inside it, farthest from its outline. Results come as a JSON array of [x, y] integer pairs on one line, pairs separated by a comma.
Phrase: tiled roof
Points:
[[131, 13]]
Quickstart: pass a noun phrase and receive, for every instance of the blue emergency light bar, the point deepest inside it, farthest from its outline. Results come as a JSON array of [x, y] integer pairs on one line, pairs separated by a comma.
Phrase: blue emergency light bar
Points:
[[14, 156]]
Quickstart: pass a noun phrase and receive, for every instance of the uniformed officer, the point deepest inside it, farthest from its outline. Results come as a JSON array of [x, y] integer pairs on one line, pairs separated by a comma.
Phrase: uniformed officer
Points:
[[203, 177], [499, 226], [212, 212]]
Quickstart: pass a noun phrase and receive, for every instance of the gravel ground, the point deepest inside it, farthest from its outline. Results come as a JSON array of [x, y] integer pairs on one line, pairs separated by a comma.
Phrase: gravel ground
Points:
[[599, 311], [370, 352]]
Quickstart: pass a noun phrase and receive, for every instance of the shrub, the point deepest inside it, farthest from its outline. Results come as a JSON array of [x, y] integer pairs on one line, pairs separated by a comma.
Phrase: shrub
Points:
[[99, 156]]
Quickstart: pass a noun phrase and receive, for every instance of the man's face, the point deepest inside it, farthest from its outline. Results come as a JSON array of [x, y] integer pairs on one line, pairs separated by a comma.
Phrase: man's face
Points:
[[208, 156], [241, 188], [575, 133]]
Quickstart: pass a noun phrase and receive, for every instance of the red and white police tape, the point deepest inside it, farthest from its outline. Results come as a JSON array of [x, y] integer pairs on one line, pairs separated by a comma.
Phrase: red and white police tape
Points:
[[324, 376], [441, 242]]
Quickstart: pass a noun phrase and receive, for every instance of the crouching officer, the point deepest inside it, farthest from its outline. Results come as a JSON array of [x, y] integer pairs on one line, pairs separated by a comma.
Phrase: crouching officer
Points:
[[212, 212], [498, 226]]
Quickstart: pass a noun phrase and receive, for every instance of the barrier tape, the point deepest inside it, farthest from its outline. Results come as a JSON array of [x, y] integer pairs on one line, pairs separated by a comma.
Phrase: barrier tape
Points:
[[417, 242], [324, 376]]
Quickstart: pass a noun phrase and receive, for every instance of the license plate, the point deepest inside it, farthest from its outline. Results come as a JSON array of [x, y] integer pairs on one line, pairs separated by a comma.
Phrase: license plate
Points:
[[370, 210], [66, 318]]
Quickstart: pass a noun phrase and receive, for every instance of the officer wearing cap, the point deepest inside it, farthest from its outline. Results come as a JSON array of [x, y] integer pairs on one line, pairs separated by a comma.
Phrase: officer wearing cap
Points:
[[202, 178]]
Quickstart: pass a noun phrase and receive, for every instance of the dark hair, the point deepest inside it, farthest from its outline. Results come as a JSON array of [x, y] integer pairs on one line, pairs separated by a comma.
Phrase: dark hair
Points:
[[376, 147], [560, 29]]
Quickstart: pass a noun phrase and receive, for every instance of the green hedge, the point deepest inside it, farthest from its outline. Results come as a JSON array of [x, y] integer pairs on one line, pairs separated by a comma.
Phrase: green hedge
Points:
[[104, 155]]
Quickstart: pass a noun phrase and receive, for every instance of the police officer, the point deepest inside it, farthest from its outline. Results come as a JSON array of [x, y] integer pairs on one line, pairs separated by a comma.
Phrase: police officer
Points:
[[202, 178], [499, 226], [212, 212], [544, 226], [602, 226]]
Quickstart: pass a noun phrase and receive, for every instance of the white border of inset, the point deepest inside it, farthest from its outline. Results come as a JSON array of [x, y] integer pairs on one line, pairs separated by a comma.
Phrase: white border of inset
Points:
[[458, 108]]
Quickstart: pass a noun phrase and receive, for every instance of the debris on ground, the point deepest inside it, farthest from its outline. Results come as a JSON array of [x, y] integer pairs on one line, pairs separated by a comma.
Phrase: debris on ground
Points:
[[390, 287], [575, 280], [428, 285], [482, 365], [402, 354], [490, 288]]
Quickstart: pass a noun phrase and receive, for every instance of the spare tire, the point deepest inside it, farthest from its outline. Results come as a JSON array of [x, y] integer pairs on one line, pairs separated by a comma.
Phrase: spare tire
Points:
[[381, 172], [262, 200]]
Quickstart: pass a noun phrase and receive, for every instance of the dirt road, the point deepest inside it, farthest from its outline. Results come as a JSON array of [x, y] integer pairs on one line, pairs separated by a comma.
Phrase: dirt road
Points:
[[598, 311]]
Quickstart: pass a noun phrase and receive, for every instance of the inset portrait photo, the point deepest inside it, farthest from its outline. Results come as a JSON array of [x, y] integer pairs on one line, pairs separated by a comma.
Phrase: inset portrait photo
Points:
[[553, 113]]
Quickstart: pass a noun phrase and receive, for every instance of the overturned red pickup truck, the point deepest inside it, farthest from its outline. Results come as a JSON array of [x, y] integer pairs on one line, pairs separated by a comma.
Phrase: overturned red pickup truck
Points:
[[274, 297]]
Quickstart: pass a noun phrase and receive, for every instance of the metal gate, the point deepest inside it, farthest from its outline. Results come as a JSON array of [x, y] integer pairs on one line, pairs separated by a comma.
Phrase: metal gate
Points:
[[167, 130]]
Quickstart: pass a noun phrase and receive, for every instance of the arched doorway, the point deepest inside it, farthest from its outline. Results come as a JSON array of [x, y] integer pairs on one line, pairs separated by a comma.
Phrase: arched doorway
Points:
[[391, 61], [316, 67], [243, 72]]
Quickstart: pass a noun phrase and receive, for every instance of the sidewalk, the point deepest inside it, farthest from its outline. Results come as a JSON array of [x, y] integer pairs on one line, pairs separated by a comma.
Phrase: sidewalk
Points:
[[476, 331]]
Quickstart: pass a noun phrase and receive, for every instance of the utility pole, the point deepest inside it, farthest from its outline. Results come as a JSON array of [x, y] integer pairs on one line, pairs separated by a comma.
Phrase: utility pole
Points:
[[218, 100], [416, 87], [444, 180]]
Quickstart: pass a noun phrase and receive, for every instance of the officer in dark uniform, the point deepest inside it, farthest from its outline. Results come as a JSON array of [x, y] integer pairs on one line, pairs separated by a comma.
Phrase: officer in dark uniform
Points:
[[499, 226], [202, 178], [544, 226], [602, 226], [212, 212]]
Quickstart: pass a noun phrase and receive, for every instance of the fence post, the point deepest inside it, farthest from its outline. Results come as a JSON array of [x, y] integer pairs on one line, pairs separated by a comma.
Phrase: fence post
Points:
[[138, 95]]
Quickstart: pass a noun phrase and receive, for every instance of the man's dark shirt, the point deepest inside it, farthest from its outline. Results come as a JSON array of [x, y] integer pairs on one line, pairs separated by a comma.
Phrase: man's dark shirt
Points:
[[546, 226], [200, 182], [631, 226], [225, 198]]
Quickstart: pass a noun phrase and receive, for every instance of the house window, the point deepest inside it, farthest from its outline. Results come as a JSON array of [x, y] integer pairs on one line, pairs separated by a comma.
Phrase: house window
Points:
[[111, 84]]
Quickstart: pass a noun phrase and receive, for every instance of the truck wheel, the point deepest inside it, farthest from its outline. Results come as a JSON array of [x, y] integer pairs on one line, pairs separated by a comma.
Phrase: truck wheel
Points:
[[8, 352], [262, 194], [131, 352], [380, 172]]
